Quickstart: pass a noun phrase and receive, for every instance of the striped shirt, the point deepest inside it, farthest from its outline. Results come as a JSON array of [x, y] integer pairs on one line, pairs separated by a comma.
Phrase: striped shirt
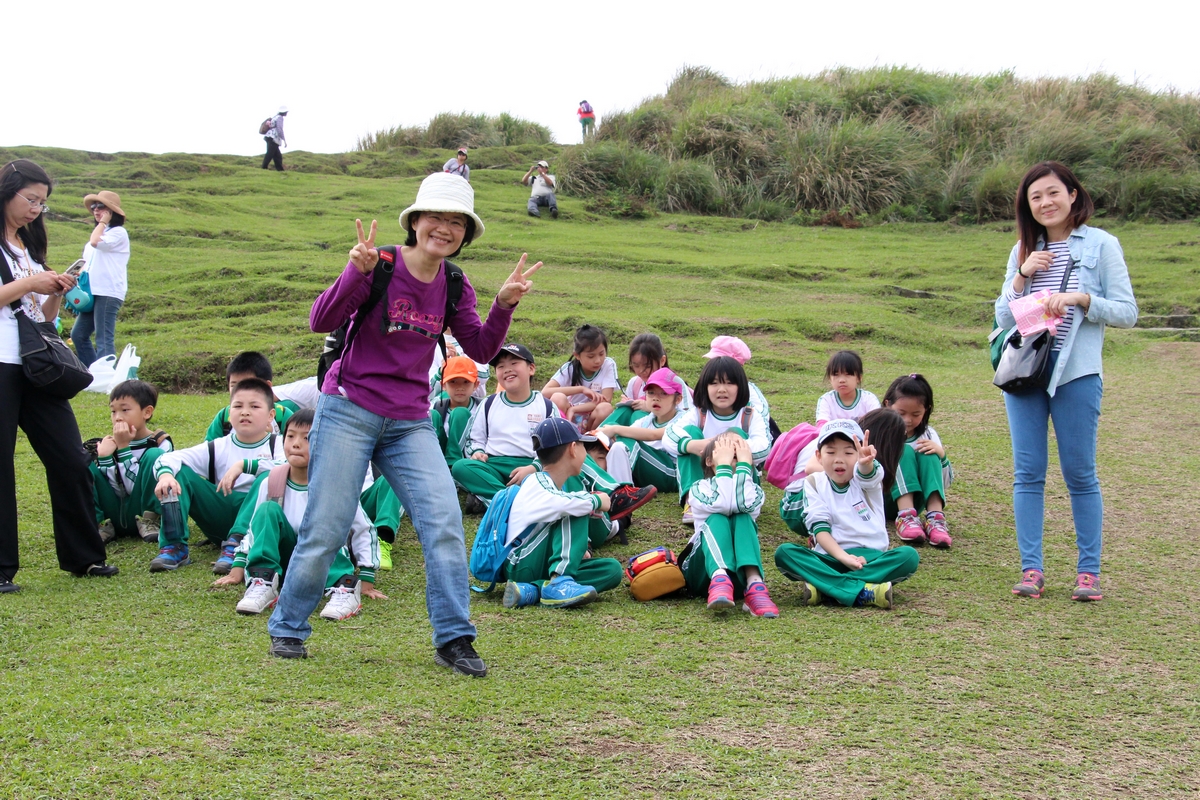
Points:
[[1052, 279]]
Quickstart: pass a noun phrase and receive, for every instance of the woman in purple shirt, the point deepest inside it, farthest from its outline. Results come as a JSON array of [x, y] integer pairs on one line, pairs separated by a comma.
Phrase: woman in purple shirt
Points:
[[374, 406]]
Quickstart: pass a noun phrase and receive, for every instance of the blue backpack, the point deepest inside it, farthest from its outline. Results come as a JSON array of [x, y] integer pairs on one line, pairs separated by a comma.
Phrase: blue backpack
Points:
[[488, 552]]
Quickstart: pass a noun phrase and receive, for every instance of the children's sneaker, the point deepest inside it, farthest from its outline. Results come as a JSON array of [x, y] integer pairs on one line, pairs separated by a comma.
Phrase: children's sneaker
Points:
[[170, 557], [287, 647], [1031, 585], [107, 532], [224, 562], [875, 594], [627, 499], [518, 595], [474, 505], [460, 656], [345, 599], [720, 593], [562, 591], [1087, 587], [909, 528], [758, 602], [936, 530], [688, 518], [148, 525], [261, 593], [385, 554], [809, 594]]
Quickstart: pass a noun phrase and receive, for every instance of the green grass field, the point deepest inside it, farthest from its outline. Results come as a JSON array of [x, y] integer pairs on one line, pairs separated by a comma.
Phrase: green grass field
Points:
[[151, 686]]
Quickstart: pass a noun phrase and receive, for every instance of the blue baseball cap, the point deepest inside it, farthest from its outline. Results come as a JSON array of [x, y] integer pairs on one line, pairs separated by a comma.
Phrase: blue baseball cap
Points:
[[556, 431]]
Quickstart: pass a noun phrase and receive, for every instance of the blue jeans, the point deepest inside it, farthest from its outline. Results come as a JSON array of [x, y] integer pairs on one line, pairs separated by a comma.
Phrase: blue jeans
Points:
[[103, 320], [1075, 409], [344, 439]]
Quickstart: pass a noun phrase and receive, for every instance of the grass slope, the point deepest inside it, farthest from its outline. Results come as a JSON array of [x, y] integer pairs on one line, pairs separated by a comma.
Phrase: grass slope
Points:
[[152, 686]]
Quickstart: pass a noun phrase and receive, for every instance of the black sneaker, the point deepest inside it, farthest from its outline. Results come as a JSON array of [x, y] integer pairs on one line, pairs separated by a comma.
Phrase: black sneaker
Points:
[[627, 499], [96, 571], [7, 586], [554, 212], [287, 647], [461, 657], [474, 505]]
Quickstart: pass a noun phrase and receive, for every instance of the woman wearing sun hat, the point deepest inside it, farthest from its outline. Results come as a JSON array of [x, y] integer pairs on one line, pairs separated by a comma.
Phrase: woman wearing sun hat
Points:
[[374, 407], [107, 257]]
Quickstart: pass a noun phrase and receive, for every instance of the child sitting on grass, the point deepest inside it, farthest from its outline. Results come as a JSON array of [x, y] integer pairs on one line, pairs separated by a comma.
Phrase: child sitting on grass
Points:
[[553, 521], [842, 508], [847, 399], [646, 356], [245, 366], [123, 475], [724, 554], [451, 415], [583, 387], [638, 453], [924, 473], [210, 481], [739, 351], [263, 554]]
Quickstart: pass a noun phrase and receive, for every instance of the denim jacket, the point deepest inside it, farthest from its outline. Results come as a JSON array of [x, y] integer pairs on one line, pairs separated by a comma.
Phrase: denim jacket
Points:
[[1104, 276]]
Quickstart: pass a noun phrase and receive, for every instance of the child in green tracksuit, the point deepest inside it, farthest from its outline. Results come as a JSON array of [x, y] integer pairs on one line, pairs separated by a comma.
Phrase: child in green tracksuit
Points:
[[451, 415], [724, 553], [276, 513], [639, 453], [924, 472], [123, 475], [843, 512], [243, 367], [549, 564], [210, 481]]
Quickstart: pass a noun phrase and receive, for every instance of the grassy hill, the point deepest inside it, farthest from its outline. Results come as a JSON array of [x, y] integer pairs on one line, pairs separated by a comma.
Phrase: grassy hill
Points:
[[152, 686]]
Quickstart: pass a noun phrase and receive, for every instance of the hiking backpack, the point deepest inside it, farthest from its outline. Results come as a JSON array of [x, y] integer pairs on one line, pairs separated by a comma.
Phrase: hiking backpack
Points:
[[266, 125], [339, 341], [488, 551], [780, 467]]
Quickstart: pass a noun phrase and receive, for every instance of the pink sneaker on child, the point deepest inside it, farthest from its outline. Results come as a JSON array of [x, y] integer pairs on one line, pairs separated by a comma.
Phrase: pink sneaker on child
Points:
[[909, 528], [758, 602], [935, 528], [720, 593]]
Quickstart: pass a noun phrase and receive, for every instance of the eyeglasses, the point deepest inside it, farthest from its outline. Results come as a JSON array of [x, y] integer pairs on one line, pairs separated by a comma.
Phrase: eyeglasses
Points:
[[95, 206], [33, 203]]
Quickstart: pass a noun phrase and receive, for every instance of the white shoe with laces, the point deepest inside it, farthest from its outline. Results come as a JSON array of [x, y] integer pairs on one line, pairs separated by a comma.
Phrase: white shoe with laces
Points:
[[344, 601], [261, 594]]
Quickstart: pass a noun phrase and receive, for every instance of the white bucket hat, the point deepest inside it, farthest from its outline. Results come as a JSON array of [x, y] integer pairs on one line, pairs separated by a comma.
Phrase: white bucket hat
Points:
[[444, 191]]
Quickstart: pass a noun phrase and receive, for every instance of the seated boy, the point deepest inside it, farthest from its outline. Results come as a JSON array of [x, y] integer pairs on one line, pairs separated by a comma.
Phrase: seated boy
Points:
[[553, 524], [843, 511], [451, 415], [123, 475], [262, 555], [243, 367], [210, 481], [638, 454], [500, 450]]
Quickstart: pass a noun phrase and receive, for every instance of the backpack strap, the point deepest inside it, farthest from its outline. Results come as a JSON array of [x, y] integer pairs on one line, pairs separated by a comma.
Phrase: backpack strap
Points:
[[381, 276], [454, 289], [442, 406], [212, 461], [746, 412], [274, 437], [549, 407], [277, 480], [487, 409]]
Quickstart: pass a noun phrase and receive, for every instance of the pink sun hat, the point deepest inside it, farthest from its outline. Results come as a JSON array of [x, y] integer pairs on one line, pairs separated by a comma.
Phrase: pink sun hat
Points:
[[664, 379], [730, 346]]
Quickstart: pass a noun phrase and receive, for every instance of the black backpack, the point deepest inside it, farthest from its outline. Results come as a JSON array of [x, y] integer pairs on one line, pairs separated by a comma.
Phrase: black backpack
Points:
[[339, 341]]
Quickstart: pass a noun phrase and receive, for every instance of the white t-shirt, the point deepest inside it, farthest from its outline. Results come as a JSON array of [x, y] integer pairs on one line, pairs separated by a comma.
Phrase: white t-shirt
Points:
[[830, 407], [605, 378], [507, 430], [540, 187], [304, 393], [107, 263], [10, 339], [854, 514]]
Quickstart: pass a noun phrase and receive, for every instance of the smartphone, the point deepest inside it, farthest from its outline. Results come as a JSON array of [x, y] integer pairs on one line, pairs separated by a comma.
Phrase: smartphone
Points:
[[76, 268]]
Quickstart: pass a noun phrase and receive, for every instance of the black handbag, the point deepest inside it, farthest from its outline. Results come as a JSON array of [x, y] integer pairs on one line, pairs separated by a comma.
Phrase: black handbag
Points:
[[1025, 360], [46, 360]]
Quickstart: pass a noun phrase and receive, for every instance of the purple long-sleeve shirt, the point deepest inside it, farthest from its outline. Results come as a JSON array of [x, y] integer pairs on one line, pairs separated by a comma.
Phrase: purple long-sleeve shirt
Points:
[[387, 373]]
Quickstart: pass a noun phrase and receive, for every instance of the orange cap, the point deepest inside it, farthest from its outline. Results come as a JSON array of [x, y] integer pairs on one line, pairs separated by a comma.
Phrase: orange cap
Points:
[[460, 367]]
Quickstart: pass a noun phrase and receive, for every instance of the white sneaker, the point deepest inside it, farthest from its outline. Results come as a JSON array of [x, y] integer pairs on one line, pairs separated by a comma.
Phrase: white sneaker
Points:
[[260, 595], [344, 601], [148, 525], [688, 519], [108, 533]]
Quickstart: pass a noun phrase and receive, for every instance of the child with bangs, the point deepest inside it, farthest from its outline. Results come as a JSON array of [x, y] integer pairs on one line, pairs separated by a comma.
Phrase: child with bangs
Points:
[[583, 388], [638, 452], [924, 473], [646, 356], [847, 399]]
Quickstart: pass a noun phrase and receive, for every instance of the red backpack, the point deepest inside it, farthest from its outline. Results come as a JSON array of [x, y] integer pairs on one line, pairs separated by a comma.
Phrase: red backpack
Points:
[[780, 468]]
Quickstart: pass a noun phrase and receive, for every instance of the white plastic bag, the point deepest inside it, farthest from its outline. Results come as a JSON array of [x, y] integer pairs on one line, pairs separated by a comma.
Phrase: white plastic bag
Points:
[[107, 372], [127, 365]]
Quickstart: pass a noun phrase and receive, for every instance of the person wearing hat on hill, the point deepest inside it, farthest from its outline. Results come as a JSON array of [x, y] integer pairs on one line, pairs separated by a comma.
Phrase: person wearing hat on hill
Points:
[[542, 193], [458, 165], [374, 407], [275, 140], [107, 257]]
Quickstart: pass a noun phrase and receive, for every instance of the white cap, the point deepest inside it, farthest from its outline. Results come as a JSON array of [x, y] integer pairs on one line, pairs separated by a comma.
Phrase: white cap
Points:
[[445, 191], [283, 110], [847, 427], [543, 164]]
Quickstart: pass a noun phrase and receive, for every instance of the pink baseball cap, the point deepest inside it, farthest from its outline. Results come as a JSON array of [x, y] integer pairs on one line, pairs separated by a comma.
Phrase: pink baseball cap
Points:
[[664, 379], [730, 346]]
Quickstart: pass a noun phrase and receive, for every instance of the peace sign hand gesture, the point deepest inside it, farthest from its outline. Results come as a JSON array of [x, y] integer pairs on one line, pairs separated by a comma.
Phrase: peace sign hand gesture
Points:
[[866, 453], [364, 256], [518, 283]]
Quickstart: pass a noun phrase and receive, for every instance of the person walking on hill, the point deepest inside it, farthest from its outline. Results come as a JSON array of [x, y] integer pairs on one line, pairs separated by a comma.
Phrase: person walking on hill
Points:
[[275, 140], [107, 257], [458, 165], [587, 119], [542, 194]]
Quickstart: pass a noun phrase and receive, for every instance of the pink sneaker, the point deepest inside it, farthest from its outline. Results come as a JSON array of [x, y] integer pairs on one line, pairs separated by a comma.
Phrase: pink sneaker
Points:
[[758, 602], [720, 593], [909, 528], [935, 527]]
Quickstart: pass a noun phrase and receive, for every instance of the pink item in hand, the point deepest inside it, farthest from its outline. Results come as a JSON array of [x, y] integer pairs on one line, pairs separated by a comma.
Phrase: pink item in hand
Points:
[[1030, 314]]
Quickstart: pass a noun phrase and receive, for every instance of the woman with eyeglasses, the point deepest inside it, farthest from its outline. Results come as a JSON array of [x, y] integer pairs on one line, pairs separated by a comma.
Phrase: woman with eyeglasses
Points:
[[1084, 269], [107, 257], [31, 289]]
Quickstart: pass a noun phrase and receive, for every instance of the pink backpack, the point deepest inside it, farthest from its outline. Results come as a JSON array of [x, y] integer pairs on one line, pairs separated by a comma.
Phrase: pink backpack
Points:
[[781, 463]]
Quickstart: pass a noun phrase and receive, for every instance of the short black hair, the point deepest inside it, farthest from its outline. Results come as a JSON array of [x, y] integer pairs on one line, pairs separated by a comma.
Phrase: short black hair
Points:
[[722, 368], [552, 455], [301, 419], [411, 240], [251, 361], [255, 385], [140, 392], [846, 361]]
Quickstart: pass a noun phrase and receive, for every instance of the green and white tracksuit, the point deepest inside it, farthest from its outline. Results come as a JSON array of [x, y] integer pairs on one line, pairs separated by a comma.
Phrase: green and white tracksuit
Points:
[[220, 425], [645, 463], [725, 507], [215, 513], [636, 390], [554, 525], [854, 516], [922, 474], [453, 427], [688, 427], [123, 484], [383, 507]]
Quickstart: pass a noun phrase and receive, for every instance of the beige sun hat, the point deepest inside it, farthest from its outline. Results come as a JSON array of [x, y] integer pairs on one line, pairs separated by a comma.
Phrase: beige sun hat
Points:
[[444, 191], [110, 200]]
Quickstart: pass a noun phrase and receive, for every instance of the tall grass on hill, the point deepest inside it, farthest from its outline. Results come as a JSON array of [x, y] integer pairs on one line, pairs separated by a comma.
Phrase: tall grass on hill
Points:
[[892, 142], [449, 131]]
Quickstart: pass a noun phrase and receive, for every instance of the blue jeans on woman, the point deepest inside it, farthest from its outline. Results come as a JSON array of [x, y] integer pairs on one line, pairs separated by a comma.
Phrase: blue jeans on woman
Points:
[[103, 320], [343, 441], [1075, 409]]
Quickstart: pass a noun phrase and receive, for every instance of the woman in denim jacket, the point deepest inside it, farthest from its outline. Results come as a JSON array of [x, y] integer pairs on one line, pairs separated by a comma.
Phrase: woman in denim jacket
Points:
[[1052, 208]]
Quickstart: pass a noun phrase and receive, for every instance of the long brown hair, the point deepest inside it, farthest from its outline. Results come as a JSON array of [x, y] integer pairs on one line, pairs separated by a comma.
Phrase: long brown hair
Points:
[[1029, 229]]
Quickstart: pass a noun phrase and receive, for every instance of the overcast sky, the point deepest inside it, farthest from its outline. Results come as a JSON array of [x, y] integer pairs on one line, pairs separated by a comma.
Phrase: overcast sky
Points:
[[199, 77]]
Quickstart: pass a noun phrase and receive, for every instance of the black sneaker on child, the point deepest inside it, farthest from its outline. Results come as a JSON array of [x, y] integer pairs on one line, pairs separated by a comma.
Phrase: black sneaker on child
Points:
[[474, 505], [461, 657], [287, 647], [96, 571], [627, 499]]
